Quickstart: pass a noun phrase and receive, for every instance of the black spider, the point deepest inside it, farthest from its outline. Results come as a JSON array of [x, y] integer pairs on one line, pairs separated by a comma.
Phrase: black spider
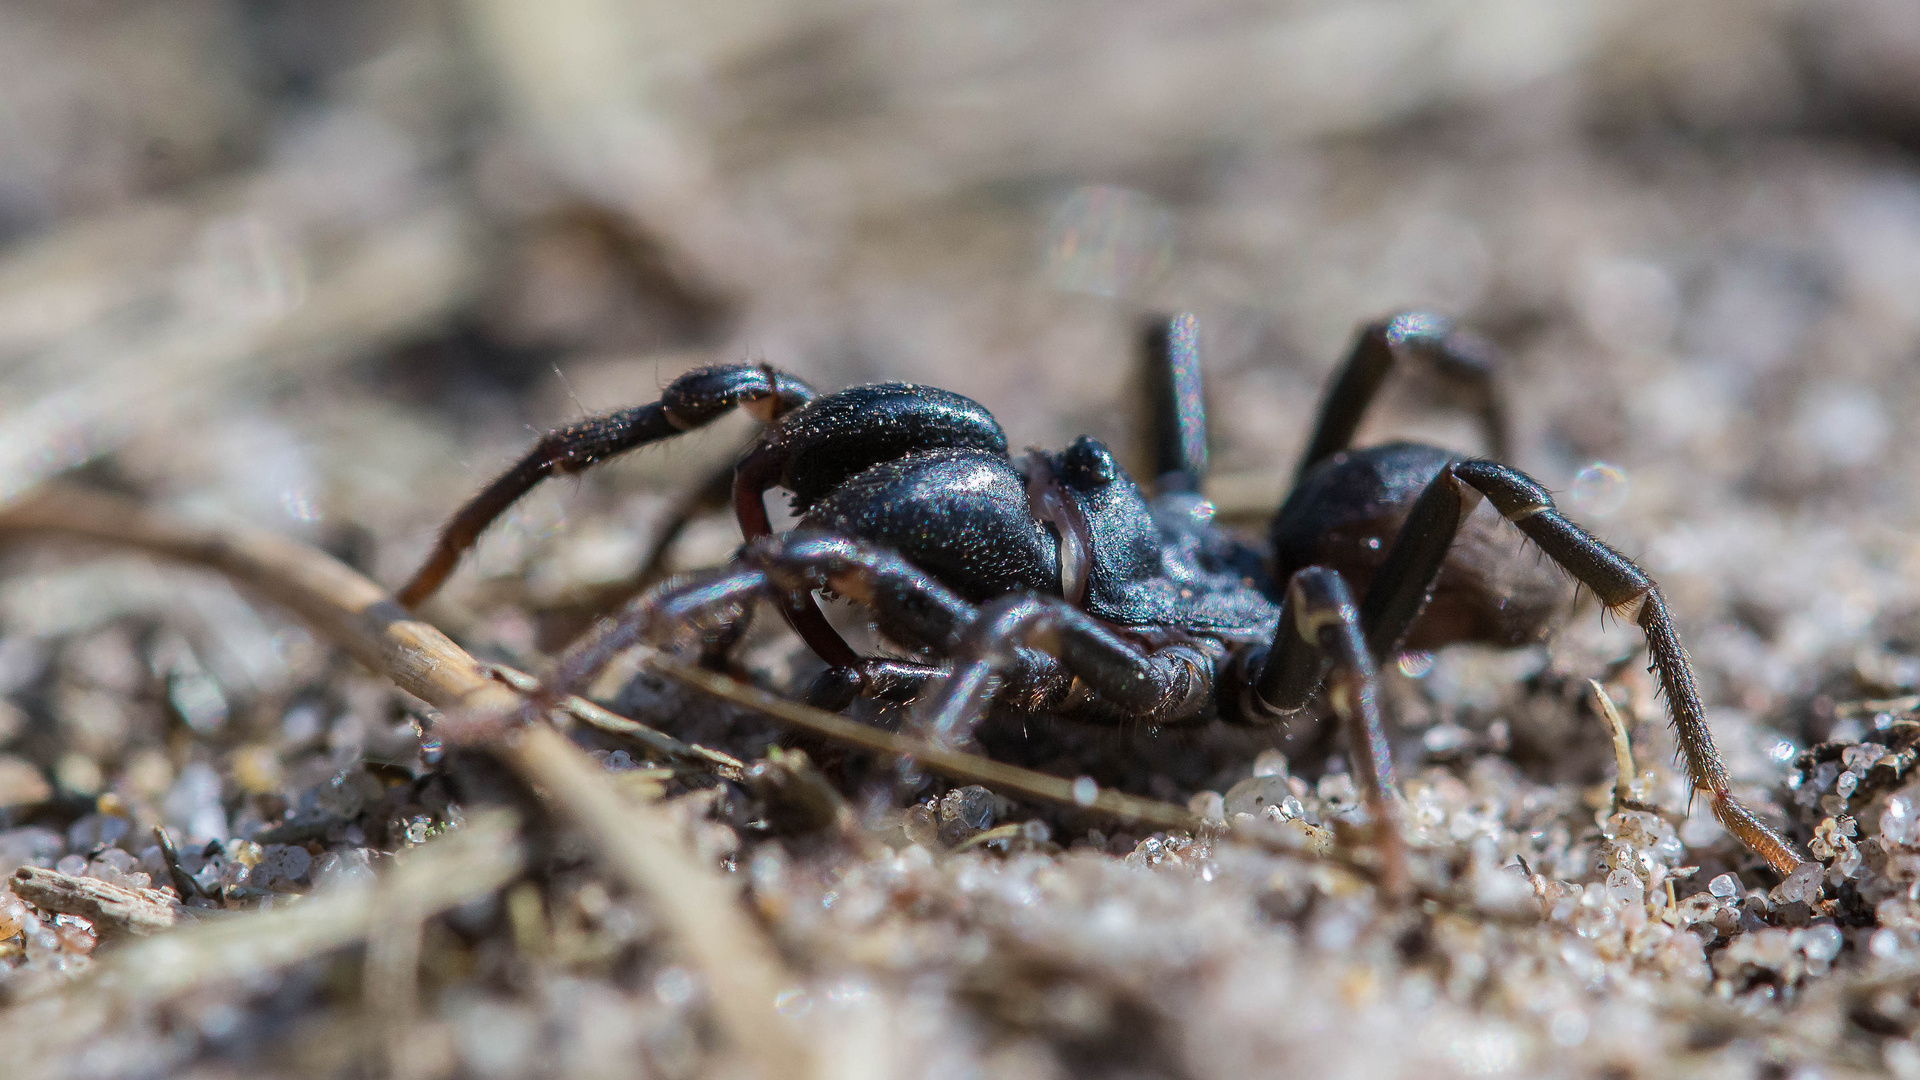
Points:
[[1051, 583]]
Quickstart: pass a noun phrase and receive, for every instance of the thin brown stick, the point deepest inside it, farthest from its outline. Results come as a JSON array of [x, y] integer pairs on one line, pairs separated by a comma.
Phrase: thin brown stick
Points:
[[357, 615], [949, 763], [659, 742], [114, 911]]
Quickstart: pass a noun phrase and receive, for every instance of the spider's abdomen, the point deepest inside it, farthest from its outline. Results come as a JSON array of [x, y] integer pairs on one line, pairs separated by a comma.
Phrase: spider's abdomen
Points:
[[1346, 511]]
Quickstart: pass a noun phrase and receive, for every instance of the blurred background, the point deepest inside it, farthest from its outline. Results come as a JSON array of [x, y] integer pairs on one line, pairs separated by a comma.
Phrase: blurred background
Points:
[[327, 268]]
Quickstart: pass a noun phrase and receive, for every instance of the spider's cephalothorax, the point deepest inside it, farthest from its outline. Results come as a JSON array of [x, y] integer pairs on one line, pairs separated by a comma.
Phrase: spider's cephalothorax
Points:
[[1051, 582]]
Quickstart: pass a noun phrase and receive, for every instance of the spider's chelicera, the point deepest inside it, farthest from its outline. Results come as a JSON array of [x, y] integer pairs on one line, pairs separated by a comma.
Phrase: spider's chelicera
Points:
[[1052, 583]]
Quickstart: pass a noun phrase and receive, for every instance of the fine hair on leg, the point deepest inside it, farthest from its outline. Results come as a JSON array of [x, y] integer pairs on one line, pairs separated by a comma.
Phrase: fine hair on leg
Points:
[[1406, 580]]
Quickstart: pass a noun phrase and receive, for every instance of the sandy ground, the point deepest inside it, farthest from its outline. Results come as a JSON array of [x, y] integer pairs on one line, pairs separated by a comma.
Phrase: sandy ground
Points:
[[322, 272]]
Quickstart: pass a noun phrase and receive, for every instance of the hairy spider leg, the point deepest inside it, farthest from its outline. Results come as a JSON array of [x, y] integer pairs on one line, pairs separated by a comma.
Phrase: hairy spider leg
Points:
[[1177, 427], [1320, 629], [690, 401], [1458, 356], [1406, 579], [1168, 685], [908, 604]]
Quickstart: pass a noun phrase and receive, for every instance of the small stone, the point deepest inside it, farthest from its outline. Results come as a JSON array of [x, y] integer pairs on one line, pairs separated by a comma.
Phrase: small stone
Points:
[[1255, 794], [1822, 777], [1861, 756], [1626, 888], [1270, 763], [21, 783], [79, 774], [1845, 864], [193, 804], [1802, 885], [965, 812], [1336, 788], [12, 914], [343, 869], [1898, 821], [197, 700], [1208, 806], [285, 864], [29, 846], [921, 825], [256, 768], [94, 830], [348, 793], [1724, 886], [1446, 739], [1822, 942]]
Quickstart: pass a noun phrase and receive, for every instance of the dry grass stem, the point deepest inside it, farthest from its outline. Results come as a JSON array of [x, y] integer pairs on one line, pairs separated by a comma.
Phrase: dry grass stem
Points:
[[641, 848], [972, 768], [666, 746], [1622, 748]]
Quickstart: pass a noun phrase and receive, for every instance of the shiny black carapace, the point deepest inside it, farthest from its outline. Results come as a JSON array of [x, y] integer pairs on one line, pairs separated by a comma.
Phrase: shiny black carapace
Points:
[[1050, 582]]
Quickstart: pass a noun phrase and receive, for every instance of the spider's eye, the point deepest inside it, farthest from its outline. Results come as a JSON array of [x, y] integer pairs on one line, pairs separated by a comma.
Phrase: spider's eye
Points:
[[1088, 463]]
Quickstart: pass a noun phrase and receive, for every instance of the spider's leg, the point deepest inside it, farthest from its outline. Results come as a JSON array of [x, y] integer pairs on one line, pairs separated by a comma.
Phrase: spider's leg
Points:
[[1456, 355], [1320, 630], [1178, 426], [1406, 579], [1170, 685], [655, 618], [881, 677], [692, 400], [909, 606]]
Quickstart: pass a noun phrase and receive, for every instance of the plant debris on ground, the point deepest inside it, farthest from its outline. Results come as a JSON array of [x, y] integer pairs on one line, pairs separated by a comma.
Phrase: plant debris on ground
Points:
[[281, 285]]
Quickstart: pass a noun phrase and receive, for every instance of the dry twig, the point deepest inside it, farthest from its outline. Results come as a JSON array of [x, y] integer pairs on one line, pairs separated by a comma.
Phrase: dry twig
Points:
[[115, 912]]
